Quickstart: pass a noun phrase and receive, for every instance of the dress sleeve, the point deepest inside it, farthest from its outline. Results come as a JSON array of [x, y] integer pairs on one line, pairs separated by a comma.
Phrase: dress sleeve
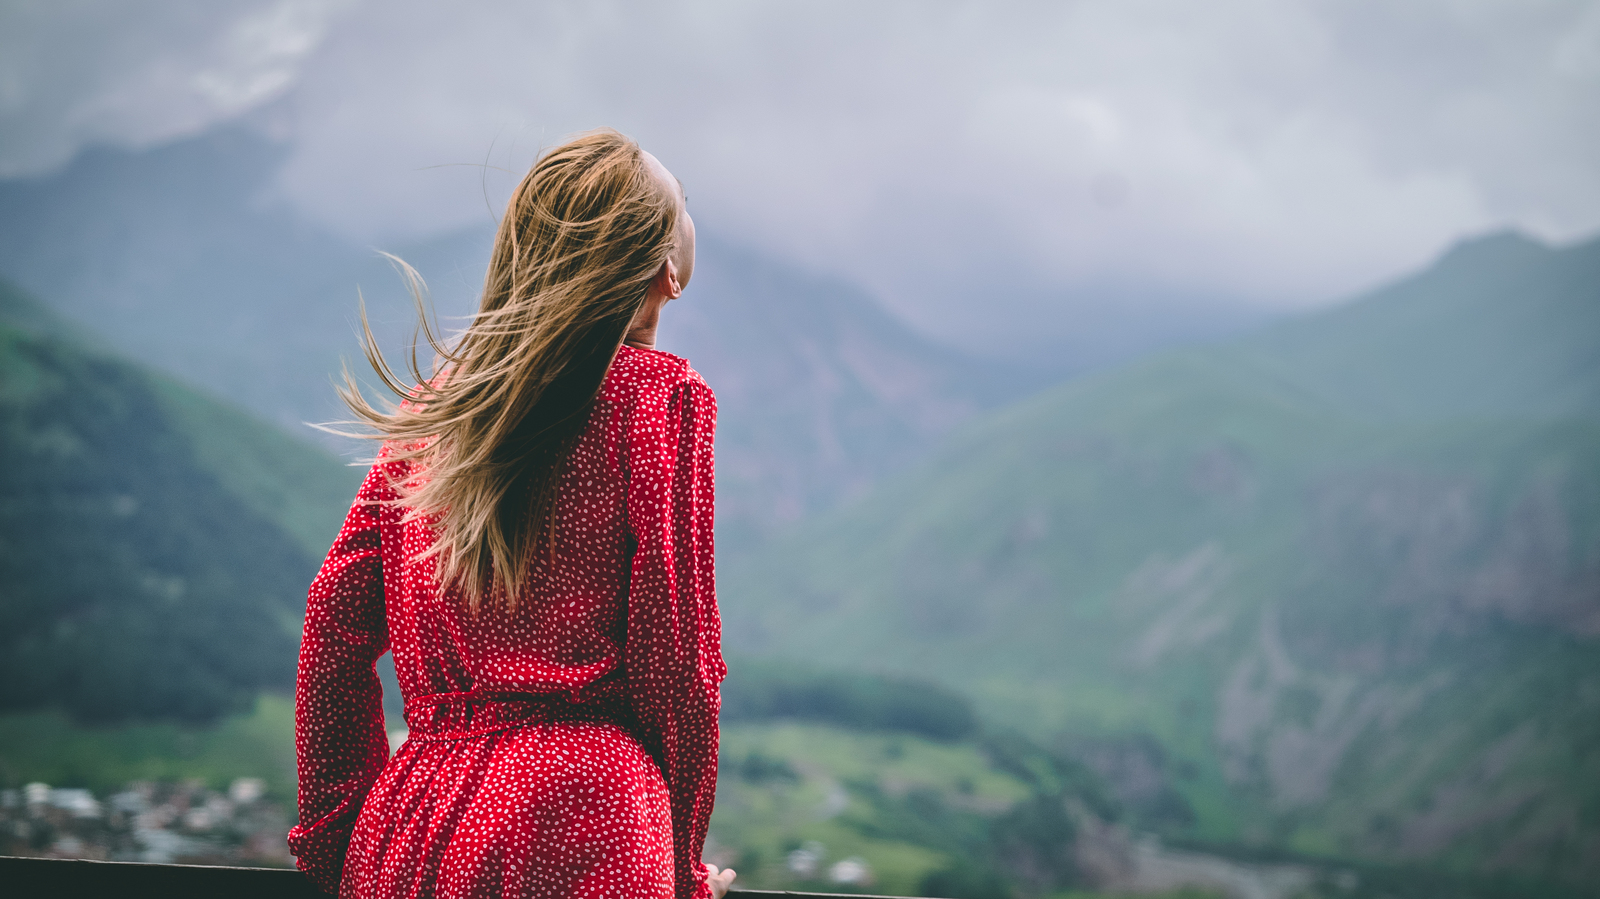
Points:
[[340, 741], [673, 655]]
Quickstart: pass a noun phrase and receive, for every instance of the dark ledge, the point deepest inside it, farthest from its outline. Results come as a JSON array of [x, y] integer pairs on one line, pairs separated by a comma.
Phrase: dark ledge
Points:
[[71, 878]]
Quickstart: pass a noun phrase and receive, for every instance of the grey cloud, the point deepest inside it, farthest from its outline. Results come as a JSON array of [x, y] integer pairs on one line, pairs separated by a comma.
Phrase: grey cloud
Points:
[[975, 162], [139, 74]]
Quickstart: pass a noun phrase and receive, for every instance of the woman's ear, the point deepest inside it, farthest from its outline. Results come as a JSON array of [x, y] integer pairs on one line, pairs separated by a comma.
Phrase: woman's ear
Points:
[[666, 281]]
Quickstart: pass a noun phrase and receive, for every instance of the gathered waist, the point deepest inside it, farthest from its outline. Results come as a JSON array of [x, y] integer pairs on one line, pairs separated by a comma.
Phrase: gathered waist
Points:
[[473, 713]]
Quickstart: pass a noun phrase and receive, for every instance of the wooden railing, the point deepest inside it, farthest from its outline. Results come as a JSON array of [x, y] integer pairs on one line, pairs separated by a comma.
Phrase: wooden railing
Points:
[[74, 878]]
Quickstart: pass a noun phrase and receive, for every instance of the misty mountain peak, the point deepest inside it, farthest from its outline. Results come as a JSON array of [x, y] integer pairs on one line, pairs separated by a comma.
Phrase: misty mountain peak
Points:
[[1494, 250]]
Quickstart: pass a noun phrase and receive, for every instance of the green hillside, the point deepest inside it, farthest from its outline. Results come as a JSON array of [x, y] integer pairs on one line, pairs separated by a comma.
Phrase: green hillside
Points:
[[1501, 327], [1332, 589], [155, 545]]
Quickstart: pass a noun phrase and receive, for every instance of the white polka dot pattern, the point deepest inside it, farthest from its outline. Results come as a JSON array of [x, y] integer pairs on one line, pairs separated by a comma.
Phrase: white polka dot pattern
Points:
[[567, 749]]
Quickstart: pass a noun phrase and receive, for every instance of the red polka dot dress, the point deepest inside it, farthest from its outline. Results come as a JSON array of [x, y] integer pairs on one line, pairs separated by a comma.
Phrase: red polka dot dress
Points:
[[567, 749]]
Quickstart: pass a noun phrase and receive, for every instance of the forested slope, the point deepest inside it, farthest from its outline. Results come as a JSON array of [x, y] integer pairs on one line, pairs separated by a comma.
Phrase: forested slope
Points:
[[155, 545]]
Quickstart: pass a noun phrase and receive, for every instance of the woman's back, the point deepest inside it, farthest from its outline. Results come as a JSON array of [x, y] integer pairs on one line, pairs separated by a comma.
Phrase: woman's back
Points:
[[568, 633], [541, 733]]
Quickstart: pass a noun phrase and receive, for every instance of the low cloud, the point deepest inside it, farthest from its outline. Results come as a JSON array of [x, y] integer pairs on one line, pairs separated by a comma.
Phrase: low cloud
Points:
[[973, 163], [136, 75]]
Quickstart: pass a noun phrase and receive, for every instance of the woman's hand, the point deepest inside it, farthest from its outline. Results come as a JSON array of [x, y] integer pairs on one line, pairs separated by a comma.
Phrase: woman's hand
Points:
[[719, 880]]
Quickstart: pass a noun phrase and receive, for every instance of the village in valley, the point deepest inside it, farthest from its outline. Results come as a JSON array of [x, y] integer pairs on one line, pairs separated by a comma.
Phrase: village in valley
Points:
[[156, 822]]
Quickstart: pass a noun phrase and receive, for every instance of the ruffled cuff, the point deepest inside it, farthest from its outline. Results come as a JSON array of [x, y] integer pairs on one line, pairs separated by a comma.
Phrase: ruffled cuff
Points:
[[702, 885], [319, 848]]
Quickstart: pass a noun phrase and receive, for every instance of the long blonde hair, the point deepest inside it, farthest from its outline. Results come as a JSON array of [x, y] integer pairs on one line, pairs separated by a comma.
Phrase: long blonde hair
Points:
[[583, 236]]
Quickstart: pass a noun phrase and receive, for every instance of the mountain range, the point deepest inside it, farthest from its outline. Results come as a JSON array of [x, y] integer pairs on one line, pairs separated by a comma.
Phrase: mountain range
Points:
[[1330, 589], [174, 267], [182, 260], [1334, 586]]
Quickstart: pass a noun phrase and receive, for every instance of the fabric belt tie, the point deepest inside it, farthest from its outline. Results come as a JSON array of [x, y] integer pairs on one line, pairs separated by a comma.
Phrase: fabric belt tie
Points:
[[460, 716]]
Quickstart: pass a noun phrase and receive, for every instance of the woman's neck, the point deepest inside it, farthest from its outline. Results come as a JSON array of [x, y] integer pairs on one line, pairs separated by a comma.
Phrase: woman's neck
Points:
[[642, 331]]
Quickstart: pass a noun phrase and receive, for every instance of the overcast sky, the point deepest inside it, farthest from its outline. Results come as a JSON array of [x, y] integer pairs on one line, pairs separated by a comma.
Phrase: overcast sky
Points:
[[971, 163]]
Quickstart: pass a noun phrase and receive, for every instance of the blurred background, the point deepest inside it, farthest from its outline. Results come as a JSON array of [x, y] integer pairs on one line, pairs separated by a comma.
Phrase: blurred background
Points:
[[1159, 448]]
